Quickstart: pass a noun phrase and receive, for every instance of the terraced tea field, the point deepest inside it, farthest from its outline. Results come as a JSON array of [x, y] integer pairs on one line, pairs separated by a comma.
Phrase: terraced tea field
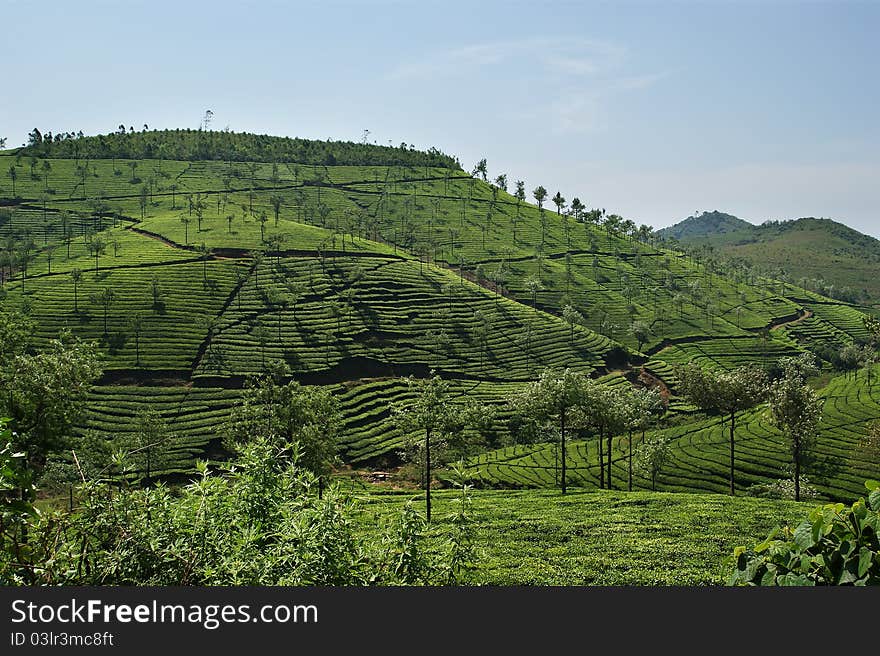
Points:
[[192, 275], [699, 451]]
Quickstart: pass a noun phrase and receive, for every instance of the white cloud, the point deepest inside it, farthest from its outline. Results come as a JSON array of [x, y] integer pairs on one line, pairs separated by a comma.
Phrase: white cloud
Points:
[[556, 56], [572, 80], [587, 110]]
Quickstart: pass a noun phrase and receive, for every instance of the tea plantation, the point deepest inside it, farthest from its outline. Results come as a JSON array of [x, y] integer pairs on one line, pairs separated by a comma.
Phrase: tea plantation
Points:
[[194, 273]]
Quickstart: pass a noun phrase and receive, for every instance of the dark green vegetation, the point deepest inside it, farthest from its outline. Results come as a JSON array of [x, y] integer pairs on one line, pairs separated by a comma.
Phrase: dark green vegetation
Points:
[[835, 545], [259, 522], [818, 254], [195, 145], [198, 258]]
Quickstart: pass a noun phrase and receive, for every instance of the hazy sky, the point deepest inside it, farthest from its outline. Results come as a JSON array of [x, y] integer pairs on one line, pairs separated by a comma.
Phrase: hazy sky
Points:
[[653, 110]]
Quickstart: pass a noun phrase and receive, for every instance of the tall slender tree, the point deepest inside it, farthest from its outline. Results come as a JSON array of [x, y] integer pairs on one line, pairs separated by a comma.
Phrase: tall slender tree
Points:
[[104, 298], [559, 201], [725, 392], [75, 276], [434, 412], [559, 397], [185, 220], [540, 195], [97, 247], [796, 410], [276, 200]]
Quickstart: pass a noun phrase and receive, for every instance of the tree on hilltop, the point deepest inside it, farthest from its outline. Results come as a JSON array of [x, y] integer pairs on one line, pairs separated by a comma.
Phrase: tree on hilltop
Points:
[[481, 169], [540, 195], [559, 201]]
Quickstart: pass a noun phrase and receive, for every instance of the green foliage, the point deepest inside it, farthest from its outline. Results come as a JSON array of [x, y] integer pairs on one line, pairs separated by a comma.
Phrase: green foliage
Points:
[[835, 545], [436, 418], [872, 325], [44, 395], [290, 415], [796, 410], [725, 392], [16, 512], [231, 146], [258, 522], [537, 537], [651, 456]]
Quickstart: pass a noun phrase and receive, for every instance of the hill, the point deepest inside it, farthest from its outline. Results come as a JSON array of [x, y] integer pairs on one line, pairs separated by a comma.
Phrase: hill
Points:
[[818, 254], [357, 275], [707, 224]]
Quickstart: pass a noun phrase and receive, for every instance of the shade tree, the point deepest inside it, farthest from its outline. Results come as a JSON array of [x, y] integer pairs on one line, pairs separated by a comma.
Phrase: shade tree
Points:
[[796, 410], [557, 398], [724, 392], [435, 415]]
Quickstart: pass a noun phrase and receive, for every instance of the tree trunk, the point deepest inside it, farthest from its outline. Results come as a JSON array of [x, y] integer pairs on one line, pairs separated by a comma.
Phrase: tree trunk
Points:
[[630, 472], [601, 461], [562, 444], [428, 473], [610, 486], [732, 427], [797, 468]]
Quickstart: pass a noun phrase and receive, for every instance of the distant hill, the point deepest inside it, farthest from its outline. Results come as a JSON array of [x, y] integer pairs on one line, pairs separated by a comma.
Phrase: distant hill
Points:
[[820, 254], [706, 224]]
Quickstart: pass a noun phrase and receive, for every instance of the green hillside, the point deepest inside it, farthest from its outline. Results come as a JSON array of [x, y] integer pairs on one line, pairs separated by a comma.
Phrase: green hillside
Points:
[[359, 265], [708, 224], [819, 254]]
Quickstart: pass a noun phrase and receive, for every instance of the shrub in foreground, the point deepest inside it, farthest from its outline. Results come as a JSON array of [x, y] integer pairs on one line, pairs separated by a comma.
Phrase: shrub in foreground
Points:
[[835, 545], [259, 522]]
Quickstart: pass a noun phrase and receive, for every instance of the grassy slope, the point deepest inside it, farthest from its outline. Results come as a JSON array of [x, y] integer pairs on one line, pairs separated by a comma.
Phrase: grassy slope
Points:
[[536, 537]]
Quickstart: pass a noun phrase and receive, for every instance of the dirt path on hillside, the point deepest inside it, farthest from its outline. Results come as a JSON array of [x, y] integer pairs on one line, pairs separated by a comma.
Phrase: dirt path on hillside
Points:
[[806, 314]]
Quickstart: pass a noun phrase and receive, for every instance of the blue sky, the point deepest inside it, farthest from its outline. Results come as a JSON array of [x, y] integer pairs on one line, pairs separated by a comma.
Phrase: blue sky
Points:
[[653, 110]]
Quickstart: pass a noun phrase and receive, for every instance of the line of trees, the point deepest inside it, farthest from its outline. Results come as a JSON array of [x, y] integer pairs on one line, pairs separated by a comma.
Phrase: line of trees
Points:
[[795, 408], [568, 401], [192, 145]]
